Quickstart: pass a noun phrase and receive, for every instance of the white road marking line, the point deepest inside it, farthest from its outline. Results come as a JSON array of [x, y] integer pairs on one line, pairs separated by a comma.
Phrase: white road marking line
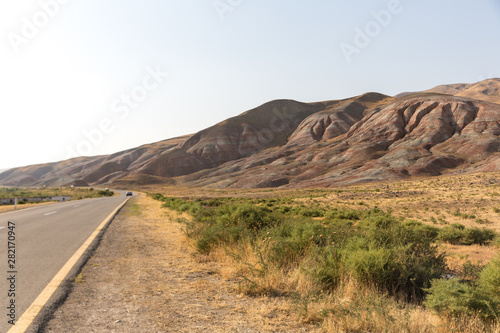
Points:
[[50, 213], [2, 228]]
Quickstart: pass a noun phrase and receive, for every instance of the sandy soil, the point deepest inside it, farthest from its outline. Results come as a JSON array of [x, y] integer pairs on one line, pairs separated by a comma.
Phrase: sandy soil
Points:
[[143, 277]]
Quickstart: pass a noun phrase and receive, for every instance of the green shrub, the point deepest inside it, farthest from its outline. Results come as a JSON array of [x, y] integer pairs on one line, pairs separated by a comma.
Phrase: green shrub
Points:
[[311, 212], [372, 266], [396, 257], [489, 279], [470, 272], [254, 218], [397, 269], [209, 237], [343, 215], [289, 241], [286, 253], [283, 209], [105, 193], [370, 245], [226, 224], [451, 234], [477, 236], [157, 196], [459, 235], [207, 240], [420, 231], [325, 267], [454, 298]]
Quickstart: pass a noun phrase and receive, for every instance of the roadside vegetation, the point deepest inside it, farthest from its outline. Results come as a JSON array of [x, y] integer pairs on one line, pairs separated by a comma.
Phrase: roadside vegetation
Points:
[[352, 266], [23, 194]]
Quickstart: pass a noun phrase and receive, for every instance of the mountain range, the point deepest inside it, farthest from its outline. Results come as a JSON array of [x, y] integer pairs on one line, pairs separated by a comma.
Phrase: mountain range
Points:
[[449, 129]]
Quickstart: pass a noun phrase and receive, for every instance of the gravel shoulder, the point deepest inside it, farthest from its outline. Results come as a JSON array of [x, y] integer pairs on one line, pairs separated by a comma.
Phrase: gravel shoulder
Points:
[[144, 277]]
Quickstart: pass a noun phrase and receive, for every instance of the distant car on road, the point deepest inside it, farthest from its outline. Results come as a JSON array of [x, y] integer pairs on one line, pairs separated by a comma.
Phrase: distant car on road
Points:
[[129, 194]]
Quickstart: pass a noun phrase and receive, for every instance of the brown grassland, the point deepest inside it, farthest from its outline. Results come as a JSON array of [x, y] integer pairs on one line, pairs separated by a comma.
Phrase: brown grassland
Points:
[[472, 200], [149, 275]]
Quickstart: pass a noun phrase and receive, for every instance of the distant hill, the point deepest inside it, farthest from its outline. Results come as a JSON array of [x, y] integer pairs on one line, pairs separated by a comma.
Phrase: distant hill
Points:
[[372, 137], [487, 90]]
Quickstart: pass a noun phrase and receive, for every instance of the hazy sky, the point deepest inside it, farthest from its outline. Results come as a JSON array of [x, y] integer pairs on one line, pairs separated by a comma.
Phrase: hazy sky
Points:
[[99, 76]]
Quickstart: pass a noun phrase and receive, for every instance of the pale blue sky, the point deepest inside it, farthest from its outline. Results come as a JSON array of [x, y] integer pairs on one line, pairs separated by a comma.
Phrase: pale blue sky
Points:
[[67, 76]]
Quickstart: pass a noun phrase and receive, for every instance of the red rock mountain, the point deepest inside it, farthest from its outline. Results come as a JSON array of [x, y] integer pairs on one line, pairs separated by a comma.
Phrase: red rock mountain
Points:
[[372, 137]]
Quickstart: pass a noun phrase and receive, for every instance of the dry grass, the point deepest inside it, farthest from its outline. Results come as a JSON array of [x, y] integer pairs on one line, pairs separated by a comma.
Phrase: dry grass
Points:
[[432, 201], [353, 308], [208, 293], [350, 308], [459, 254], [467, 199], [145, 277], [10, 208]]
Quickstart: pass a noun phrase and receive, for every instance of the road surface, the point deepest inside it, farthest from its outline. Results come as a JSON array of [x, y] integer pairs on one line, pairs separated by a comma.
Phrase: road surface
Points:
[[45, 238]]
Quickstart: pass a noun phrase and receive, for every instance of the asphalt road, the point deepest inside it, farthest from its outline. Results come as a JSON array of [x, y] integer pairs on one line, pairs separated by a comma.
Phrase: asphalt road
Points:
[[45, 238]]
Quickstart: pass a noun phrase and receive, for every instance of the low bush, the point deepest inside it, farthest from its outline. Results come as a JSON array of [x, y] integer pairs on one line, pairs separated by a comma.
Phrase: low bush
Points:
[[325, 267], [105, 193], [480, 296], [489, 279], [470, 272], [311, 212], [451, 234], [457, 234], [370, 245], [316, 249], [227, 224], [396, 257], [454, 298]]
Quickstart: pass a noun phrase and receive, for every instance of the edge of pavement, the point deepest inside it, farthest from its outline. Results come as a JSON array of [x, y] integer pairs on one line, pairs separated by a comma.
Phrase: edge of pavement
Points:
[[59, 287]]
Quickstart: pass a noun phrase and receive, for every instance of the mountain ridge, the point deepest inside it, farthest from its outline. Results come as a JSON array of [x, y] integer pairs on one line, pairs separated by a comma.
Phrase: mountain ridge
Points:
[[447, 129]]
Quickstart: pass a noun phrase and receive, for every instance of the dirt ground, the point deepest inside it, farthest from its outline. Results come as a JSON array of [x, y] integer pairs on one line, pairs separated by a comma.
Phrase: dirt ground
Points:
[[144, 277]]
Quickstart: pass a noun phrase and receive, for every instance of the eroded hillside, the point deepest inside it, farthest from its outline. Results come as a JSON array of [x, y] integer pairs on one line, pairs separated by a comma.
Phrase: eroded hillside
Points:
[[372, 137]]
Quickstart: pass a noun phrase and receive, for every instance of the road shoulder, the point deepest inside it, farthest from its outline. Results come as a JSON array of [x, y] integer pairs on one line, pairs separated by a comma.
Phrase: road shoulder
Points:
[[143, 278]]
